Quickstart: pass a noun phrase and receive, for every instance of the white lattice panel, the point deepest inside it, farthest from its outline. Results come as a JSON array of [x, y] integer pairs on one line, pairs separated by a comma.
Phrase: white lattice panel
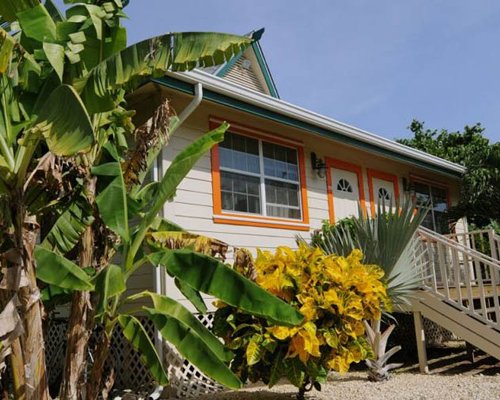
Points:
[[189, 380], [130, 373], [436, 335], [55, 349]]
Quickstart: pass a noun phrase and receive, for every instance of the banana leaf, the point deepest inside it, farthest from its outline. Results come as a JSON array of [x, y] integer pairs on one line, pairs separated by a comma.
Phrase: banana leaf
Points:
[[65, 136], [192, 348], [192, 295], [66, 231], [55, 55], [54, 269], [135, 333], [173, 309], [153, 57], [37, 23], [10, 8], [112, 201], [208, 275]]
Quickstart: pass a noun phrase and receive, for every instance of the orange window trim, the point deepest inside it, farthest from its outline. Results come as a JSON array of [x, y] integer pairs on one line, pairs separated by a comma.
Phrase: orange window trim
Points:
[[250, 219], [255, 133], [339, 164], [372, 173]]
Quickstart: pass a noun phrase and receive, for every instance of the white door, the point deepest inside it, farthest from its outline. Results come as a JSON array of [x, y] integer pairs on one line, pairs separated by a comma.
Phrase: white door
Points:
[[345, 192], [383, 192]]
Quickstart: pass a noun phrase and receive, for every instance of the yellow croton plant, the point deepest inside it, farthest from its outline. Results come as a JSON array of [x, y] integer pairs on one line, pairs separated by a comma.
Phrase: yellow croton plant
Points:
[[335, 295]]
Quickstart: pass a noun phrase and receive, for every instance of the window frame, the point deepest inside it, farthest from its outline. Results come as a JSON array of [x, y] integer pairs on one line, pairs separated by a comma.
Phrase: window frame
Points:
[[432, 183], [221, 216]]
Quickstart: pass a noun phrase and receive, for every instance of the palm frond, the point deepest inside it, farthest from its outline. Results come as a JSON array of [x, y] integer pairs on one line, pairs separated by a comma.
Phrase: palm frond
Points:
[[387, 240]]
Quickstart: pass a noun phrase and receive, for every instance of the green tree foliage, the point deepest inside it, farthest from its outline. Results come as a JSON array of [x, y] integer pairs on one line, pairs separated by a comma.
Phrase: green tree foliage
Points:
[[480, 191]]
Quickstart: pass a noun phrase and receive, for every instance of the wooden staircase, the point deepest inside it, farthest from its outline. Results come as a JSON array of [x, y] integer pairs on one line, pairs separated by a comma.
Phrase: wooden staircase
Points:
[[460, 288]]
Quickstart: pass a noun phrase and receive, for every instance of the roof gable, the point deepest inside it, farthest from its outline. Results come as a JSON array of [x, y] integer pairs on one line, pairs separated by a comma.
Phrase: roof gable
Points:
[[250, 69]]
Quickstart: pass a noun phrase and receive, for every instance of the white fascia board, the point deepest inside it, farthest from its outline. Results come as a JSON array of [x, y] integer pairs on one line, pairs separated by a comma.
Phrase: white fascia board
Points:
[[249, 96]]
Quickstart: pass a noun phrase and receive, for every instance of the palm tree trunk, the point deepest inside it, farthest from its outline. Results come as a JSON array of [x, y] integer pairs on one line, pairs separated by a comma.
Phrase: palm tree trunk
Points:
[[81, 320]]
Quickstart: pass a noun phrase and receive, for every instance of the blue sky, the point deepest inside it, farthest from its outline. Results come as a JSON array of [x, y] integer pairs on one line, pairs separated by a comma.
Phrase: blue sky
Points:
[[375, 64]]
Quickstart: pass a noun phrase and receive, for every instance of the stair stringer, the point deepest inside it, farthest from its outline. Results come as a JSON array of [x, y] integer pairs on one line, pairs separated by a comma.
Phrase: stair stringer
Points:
[[463, 325]]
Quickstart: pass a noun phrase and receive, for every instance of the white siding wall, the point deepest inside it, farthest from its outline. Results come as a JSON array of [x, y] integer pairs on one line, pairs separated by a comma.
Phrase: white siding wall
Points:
[[193, 206]]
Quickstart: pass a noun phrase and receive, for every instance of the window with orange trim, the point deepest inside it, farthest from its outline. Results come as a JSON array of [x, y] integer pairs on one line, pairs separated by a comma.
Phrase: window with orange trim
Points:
[[257, 180]]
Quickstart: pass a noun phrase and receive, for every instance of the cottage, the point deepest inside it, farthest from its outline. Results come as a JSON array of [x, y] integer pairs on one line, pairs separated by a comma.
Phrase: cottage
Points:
[[282, 170]]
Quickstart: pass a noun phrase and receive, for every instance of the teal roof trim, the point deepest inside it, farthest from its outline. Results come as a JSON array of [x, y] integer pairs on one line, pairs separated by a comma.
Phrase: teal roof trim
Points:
[[225, 68], [265, 70], [261, 60], [283, 119]]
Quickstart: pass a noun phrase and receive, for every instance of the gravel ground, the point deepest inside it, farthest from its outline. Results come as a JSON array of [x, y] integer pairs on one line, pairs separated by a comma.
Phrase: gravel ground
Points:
[[404, 386]]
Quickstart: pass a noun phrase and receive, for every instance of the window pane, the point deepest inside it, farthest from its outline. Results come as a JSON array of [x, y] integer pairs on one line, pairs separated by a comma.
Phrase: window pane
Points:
[[282, 199], [239, 152], [440, 208], [240, 192], [227, 201], [343, 185], [422, 194], [282, 193], [439, 199], [280, 161], [226, 157], [283, 212]]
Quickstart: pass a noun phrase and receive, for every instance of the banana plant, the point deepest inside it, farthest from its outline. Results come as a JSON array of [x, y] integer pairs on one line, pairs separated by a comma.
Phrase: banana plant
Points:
[[63, 86], [387, 240], [30, 128], [144, 246]]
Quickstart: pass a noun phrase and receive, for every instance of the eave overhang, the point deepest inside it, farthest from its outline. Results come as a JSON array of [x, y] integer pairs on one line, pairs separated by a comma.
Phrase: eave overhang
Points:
[[234, 96]]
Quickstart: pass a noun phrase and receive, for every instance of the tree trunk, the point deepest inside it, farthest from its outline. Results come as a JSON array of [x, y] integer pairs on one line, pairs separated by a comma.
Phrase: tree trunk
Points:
[[17, 369], [76, 347], [101, 355], [32, 341], [81, 320], [15, 358]]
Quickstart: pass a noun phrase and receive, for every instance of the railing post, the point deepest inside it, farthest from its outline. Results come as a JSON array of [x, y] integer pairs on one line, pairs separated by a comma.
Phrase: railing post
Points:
[[493, 244], [421, 345]]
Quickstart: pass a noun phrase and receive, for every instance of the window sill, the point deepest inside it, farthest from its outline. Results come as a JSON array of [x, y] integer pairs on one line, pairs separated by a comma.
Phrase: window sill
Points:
[[263, 222]]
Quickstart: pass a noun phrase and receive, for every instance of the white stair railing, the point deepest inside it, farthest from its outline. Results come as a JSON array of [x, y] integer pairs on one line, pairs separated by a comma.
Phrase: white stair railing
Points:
[[485, 241], [462, 276]]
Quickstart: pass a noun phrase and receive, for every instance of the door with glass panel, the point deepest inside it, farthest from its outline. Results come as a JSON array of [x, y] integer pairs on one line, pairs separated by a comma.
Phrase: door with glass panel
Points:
[[345, 190], [437, 199], [384, 193], [259, 177]]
